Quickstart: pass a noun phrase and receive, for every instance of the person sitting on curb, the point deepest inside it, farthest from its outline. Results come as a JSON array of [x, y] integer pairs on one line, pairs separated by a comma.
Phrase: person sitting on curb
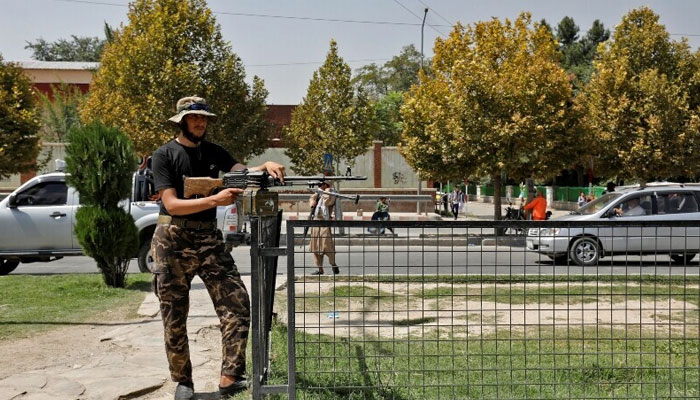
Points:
[[538, 205], [382, 213]]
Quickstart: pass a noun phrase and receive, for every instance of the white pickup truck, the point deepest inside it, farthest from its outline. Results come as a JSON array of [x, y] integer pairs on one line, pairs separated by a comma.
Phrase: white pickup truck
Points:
[[37, 220]]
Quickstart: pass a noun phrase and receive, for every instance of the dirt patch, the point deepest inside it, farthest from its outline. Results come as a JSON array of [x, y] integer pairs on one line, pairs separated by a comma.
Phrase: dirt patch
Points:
[[406, 312]]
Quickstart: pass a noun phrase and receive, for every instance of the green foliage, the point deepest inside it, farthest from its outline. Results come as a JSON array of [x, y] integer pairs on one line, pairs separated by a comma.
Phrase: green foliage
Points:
[[100, 161], [396, 75], [168, 50], [109, 236], [499, 102], [388, 117], [19, 144], [60, 114], [76, 49], [578, 53], [332, 118], [641, 105]]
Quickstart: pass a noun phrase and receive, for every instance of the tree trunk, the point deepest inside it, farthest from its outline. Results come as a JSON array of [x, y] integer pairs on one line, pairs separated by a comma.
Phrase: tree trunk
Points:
[[497, 197]]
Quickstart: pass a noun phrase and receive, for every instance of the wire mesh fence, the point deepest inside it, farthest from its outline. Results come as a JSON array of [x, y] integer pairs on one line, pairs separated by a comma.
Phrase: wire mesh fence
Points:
[[492, 310]]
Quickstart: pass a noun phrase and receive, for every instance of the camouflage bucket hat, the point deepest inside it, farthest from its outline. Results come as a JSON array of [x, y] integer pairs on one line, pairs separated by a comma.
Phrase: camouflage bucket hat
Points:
[[191, 105]]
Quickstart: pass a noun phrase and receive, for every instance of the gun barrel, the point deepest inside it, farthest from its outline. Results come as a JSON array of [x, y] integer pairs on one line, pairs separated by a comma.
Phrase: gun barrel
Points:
[[319, 178], [355, 198]]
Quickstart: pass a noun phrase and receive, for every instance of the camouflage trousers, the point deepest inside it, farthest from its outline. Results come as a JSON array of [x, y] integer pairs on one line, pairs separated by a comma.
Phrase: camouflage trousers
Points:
[[180, 254]]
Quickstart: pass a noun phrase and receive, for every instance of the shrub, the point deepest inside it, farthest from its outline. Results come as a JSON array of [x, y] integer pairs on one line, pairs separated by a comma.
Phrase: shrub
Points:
[[100, 161]]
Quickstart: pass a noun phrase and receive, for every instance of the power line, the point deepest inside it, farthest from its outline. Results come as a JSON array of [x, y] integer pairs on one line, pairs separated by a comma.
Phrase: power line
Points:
[[417, 16], [315, 62], [254, 15], [436, 13], [351, 21]]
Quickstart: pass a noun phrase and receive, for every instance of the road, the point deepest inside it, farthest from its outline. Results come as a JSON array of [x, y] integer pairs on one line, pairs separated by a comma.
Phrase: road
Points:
[[417, 260]]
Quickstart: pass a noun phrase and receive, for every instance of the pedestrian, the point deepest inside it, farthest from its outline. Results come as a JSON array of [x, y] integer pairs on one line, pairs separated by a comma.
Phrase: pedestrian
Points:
[[538, 205], [521, 195], [186, 243], [454, 201], [381, 213], [445, 197], [581, 200], [321, 237]]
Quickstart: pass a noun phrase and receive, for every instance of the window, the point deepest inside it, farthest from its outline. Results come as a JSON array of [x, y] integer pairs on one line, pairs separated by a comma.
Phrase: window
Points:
[[676, 203], [635, 206], [44, 194]]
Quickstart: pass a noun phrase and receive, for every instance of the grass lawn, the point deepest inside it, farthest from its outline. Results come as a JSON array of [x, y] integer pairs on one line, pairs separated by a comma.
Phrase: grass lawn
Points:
[[575, 360], [587, 364], [30, 304]]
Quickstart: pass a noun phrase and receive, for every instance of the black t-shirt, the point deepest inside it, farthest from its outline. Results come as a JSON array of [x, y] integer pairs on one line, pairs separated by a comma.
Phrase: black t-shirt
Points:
[[172, 162]]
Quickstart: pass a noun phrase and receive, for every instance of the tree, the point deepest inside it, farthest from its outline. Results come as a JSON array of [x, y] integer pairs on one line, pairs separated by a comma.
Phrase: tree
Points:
[[76, 49], [396, 75], [332, 118], [100, 161], [388, 118], [170, 49], [60, 114], [578, 53], [19, 143], [499, 104], [641, 105]]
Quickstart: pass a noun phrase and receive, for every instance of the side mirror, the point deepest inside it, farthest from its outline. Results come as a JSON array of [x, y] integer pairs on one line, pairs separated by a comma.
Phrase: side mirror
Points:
[[12, 201]]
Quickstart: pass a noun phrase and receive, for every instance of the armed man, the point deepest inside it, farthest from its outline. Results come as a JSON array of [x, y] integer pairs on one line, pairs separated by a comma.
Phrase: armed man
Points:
[[186, 243]]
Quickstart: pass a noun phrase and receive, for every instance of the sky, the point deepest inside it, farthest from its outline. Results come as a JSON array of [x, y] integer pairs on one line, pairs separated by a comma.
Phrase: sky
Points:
[[285, 41]]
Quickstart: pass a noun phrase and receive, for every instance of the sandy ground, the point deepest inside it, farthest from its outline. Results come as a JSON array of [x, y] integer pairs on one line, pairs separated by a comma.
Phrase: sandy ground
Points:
[[407, 314]]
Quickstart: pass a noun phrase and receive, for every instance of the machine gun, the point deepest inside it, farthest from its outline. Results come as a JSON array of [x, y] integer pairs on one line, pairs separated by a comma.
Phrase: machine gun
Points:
[[257, 200]]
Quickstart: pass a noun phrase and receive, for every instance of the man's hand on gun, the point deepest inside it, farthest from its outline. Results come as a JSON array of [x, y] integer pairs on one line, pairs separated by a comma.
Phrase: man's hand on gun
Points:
[[275, 170], [226, 196]]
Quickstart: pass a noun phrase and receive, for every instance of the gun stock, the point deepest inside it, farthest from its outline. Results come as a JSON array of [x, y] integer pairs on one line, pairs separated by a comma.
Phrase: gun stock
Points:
[[201, 186]]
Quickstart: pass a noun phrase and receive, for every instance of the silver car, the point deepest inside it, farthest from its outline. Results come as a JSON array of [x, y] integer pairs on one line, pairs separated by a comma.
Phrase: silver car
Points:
[[586, 245]]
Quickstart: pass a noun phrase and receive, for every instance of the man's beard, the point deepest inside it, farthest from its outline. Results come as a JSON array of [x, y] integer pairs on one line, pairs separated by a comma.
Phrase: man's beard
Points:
[[192, 137]]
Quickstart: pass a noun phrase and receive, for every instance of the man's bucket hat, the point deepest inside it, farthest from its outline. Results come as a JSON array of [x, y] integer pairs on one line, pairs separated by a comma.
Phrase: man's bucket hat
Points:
[[191, 105]]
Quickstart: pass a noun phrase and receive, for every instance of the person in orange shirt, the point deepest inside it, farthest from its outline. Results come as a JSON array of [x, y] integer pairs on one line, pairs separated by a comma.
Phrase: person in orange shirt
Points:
[[538, 205]]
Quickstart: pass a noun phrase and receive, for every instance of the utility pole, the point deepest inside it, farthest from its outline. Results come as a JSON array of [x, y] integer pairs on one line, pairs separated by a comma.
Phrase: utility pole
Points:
[[422, 29]]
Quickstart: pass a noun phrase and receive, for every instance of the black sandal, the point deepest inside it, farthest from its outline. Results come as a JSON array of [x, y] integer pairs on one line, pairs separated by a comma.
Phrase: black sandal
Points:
[[234, 388], [336, 270], [317, 272]]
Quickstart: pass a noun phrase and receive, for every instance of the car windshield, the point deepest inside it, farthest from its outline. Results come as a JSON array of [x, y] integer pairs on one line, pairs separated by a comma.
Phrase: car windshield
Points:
[[598, 204]]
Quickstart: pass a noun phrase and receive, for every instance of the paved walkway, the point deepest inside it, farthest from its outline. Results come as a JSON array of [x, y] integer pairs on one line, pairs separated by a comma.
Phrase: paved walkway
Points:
[[134, 363]]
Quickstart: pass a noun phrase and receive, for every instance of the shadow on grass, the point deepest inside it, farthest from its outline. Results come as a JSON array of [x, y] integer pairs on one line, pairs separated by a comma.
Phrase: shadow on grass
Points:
[[139, 286], [366, 384]]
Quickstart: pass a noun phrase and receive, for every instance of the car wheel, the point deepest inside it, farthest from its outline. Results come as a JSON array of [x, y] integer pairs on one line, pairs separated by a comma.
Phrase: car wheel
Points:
[[585, 251], [145, 257], [7, 266], [682, 259]]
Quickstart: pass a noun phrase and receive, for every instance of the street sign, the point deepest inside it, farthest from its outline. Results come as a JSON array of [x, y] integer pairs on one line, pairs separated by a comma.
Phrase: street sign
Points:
[[327, 163]]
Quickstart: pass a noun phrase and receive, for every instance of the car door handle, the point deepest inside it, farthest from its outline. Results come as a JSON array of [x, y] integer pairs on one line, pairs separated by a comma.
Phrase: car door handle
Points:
[[57, 214]]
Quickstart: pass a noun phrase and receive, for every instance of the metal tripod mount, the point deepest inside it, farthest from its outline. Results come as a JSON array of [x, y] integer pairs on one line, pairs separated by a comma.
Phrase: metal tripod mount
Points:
[[261, 206]]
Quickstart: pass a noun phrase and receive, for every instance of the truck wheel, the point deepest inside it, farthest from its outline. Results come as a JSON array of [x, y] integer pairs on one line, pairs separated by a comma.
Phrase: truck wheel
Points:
[[585, 251], [145, 257], [7, 266]]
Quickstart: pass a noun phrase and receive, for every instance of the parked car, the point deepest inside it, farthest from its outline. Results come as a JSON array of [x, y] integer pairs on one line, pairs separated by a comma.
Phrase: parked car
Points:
[[37, 221], [655, 202]]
